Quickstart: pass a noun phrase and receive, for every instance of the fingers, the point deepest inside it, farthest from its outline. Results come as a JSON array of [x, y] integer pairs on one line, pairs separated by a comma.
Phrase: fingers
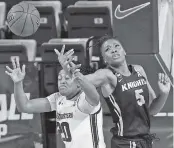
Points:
[[166, 78], [69, 53], [17, 63], [163, 78], [8, 73], [78, 66], [9, 69], [62, 50], [74, 68], [13, 63], [57, 52], [72, 64], [23, 68], [70, 59]]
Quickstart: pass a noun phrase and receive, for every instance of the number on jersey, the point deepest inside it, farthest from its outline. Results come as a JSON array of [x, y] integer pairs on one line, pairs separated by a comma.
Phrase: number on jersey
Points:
[[63, 129], [139, 97]]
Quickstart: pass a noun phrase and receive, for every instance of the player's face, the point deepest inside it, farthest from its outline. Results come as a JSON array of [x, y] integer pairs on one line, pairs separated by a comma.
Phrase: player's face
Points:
[[66, 85], [113, 52]]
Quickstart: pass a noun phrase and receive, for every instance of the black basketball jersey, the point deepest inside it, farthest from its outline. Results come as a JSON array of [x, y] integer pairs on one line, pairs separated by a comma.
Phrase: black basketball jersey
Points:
[[128, 104]]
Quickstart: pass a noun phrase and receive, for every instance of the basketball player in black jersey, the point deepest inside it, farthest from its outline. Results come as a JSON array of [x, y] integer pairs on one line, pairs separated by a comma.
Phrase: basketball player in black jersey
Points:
[[130, 97]]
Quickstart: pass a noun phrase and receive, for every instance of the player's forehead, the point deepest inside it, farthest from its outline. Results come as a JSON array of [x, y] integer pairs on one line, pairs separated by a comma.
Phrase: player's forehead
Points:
[[61, 72], [110, 42]]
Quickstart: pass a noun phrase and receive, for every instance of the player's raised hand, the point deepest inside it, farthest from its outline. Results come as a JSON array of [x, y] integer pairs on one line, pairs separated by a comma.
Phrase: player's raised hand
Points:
[[65, 59], [163, 83], [16, 74]]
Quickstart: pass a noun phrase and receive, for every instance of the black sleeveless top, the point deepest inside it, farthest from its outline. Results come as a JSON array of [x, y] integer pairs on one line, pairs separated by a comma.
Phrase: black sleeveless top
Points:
[[128, 104]]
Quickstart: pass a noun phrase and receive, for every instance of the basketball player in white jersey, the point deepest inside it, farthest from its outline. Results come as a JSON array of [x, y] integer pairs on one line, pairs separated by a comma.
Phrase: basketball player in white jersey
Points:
[[78, 110]]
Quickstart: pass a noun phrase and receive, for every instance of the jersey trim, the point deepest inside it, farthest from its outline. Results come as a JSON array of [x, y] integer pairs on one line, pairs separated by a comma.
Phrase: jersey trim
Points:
[[94, 129], [118, 112]]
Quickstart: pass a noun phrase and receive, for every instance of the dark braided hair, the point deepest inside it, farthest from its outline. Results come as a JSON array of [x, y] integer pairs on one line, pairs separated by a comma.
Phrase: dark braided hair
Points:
[[100, 40]]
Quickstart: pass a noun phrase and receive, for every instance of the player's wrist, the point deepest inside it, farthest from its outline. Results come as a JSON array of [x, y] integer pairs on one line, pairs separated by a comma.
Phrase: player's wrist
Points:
[[163, 93], [18, 82]]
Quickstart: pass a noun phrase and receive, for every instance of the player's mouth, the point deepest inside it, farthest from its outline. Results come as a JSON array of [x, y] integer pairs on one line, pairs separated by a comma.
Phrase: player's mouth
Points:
[[115, 56], [62, 87]]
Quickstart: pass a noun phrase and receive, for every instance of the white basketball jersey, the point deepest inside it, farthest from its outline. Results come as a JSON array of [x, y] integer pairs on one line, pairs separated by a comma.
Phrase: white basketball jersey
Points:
[[78, 129]]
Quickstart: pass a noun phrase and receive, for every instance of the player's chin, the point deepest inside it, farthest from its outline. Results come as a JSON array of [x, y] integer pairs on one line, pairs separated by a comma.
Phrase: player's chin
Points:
[[63, 92], [116, 62]]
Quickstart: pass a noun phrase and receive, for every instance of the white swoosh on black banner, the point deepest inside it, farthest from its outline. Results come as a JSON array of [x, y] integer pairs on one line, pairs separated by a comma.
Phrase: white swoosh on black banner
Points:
[[7, 139], [122, 14]]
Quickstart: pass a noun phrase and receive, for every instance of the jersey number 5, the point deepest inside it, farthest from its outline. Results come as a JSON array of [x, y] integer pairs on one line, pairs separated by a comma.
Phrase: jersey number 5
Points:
[[139, 97], [63, 129]]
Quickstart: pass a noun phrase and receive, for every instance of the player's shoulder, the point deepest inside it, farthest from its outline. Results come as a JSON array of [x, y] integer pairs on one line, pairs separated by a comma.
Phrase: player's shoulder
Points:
[[140, 69], [104, 71], [55, 96]]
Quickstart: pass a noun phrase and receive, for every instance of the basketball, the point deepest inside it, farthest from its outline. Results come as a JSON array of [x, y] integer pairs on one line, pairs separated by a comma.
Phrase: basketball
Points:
[[23, 19]]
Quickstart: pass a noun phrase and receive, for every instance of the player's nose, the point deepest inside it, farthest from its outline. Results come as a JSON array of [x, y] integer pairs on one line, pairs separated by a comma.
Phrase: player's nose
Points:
[[62, 81], [114, 50]]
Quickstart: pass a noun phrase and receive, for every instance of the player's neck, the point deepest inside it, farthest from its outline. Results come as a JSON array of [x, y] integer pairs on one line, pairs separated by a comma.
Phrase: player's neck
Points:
[[73, 96], [122, 69]]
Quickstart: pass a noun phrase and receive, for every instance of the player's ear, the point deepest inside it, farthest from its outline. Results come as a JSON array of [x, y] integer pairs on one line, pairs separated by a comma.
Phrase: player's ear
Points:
[[124, 52], [78, 86]]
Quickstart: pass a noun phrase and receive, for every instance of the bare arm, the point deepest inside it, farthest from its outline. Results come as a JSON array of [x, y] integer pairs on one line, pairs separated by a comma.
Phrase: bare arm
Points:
[[157, 103], [101, 77], [92, 96], [38, 105], [23, 104], [164, 88]]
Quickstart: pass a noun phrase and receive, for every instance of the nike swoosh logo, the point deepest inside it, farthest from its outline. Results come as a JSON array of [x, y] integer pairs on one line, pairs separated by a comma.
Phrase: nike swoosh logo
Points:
[[120, 80], [7, 139], [122, 14]]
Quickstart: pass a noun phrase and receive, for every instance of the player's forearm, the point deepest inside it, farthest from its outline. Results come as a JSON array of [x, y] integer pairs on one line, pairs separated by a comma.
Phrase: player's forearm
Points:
[[20, 96], [158, 103], [91, 78], [88, 88]]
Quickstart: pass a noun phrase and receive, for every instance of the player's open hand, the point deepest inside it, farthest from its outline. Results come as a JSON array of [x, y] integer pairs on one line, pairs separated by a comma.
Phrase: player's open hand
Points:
[[16, 74], [65, 59], [163, 83]]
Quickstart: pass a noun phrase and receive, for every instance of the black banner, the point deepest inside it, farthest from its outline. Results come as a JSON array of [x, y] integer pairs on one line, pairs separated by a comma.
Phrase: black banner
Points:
[[135, 23]]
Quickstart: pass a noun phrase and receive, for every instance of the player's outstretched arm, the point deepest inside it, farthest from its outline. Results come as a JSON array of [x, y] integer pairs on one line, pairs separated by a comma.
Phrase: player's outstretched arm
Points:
[[164, 88], [92, 96], [23, 104], [157, 103]]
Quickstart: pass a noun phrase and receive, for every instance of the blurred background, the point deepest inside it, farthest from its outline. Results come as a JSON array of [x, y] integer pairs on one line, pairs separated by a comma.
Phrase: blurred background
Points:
[[147, 36]]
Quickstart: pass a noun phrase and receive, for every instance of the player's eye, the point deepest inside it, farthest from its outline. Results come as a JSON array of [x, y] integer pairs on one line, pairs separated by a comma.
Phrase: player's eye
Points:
[[116, 45], [67, 77], [107, 49]]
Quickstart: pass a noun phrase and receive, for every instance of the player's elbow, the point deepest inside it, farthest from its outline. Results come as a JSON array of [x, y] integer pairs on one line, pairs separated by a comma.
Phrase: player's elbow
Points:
[[153, 112], [25, 109], [20, 109]]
